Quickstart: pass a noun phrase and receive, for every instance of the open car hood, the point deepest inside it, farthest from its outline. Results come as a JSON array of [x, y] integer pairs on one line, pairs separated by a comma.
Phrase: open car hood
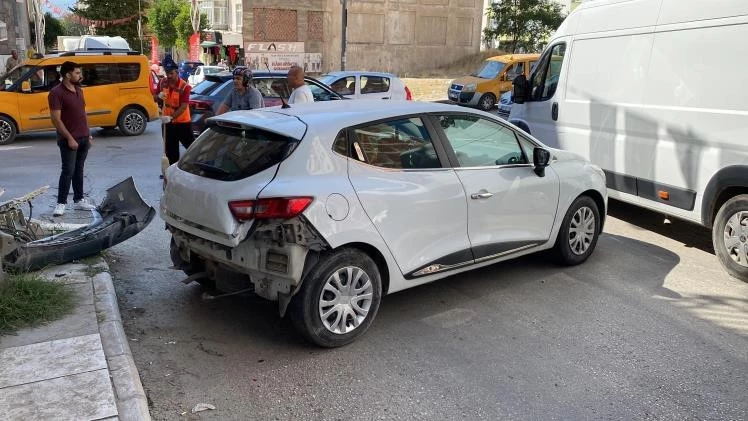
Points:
[[121, 215]]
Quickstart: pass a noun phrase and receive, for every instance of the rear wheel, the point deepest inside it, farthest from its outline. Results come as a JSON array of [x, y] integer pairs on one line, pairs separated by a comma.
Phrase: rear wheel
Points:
[[579, 232], [132, 122], [730, 236], [338, 300], [487, 102], [7, 130]]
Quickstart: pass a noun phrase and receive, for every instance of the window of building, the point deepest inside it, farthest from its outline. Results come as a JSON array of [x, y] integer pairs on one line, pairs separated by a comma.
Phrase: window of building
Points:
[[238, 16], [3, 31]]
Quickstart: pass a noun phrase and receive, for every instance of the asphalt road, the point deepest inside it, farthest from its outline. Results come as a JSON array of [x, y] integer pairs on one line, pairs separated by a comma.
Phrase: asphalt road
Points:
[[649, 328]]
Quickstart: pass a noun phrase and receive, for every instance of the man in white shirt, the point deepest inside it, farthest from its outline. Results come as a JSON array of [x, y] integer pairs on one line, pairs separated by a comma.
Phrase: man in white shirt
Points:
[[301, 92]]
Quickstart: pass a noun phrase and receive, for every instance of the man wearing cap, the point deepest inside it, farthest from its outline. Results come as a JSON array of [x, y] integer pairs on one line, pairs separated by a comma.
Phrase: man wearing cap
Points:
[[176, 113], [244, 96]]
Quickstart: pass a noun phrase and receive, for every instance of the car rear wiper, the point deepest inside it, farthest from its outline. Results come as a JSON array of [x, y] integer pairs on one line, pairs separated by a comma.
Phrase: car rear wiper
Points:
[[211, 168]]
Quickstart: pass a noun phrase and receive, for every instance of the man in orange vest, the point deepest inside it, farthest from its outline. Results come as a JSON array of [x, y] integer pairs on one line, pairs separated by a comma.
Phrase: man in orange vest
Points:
[[176, 114]]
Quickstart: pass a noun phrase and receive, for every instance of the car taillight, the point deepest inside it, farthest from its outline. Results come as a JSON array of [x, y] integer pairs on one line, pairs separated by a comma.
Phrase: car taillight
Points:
[[201, 104], [272, 208], [408, 95]]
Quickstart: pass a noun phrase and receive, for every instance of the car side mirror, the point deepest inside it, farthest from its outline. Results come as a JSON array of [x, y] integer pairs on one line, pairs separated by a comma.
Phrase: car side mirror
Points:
[[540, 158], [520, 89], [502, 77], [26, 86]]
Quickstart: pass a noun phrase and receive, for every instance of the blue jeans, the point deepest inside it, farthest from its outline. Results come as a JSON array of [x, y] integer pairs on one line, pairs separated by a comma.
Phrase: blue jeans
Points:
[[72, 169]]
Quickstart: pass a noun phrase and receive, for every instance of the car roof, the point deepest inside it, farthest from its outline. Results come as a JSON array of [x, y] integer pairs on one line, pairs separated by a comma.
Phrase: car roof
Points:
[[358, 72], [331, 114], [514, 57]]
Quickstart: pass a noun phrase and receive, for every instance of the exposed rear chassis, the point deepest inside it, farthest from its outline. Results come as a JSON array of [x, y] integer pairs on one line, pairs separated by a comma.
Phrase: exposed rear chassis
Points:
[[121, 215]]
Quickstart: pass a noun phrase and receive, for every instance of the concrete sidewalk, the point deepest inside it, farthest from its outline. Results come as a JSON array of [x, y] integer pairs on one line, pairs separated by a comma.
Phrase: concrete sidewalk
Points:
[[78, 367]]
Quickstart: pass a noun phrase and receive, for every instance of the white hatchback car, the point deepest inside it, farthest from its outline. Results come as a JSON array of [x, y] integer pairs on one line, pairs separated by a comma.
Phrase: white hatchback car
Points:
[[199, 73], [327, 207], [367, 85]]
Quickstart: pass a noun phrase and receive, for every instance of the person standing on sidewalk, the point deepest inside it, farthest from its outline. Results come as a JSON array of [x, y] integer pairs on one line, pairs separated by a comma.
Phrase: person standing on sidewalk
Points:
[[301, 92], [12, 61], [176, 114], [243, 96], [68, 111]]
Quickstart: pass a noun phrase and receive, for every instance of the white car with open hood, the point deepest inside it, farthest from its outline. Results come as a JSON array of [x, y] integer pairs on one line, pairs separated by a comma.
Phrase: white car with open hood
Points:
[[327, 207]]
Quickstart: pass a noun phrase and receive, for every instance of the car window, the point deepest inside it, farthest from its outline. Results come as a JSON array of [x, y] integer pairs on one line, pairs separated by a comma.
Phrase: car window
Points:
[[344, 85], [489, 70], [397, 144], [271, 87], [96, 74], [544, 80], [478, 142], [205, 87], [128, 72], [374, 84], [223, 90], [319, 93], [515, 70], [227, 153]]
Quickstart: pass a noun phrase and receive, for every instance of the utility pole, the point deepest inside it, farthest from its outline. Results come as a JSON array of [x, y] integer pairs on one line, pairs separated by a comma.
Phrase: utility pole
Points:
[[344, 20]]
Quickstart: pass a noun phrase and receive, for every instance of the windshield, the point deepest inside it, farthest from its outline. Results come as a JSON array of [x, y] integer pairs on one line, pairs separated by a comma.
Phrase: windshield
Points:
[[490, 69], [13, 75], [228, 154]]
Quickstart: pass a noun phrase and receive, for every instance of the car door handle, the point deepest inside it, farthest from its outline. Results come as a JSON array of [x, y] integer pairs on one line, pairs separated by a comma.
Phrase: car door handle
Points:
[[554, 111], [481, 195]]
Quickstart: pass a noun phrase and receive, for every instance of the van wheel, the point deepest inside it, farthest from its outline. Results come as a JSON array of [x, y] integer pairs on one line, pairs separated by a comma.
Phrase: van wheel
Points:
[[579, 232], [132, 122], [7, 130], [487, 102], [338, 300], [730, 236]]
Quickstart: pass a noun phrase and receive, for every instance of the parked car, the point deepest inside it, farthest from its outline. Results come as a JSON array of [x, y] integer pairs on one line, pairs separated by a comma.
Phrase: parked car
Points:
[[208, 95], [199, 73], [505, 105], [367, 85], [186, 67], [327, 207], [117, 87], [482, 88]]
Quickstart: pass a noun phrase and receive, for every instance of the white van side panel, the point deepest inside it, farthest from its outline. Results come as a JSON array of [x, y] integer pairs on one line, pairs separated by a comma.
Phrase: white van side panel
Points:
[[673, 11], [617, 14]]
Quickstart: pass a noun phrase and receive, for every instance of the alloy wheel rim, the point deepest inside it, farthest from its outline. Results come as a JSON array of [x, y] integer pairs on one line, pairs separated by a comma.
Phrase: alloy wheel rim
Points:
[[5, 131], [581, 230], [133, 122], [487, 103], [345, 300], [736, 238]]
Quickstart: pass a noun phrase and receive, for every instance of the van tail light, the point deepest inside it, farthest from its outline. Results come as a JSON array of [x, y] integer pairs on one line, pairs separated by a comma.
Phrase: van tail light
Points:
[[201, 105], [271, 208], [408, 95]]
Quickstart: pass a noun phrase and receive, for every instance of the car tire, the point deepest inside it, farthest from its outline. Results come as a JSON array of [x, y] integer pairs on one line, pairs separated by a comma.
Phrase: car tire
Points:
[[7, 130], [132, 122], [487, 102], [349, 271], [579, 232], [730, 236]]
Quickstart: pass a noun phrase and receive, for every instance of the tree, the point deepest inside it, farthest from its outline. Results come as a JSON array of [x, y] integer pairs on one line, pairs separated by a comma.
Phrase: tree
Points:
[[52, 29], [71, 26], [524, 23], [110, 11], [170, 21]]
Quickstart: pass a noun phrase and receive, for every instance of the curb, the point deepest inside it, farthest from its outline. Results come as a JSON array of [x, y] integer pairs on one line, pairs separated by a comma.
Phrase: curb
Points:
[[130, 397]]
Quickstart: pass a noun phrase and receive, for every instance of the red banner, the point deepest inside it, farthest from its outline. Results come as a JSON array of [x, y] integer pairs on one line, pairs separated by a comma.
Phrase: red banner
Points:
[[195, 47], [154, 50]]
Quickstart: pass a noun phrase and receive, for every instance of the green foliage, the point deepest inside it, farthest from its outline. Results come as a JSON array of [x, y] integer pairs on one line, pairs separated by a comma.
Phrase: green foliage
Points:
[[72, 27], [28, 300], [524, 23], [170, 21], [52, 29], [109, 10]]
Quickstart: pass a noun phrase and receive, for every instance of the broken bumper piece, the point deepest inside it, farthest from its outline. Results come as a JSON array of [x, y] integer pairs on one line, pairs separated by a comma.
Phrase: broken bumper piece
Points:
[[121, 215]]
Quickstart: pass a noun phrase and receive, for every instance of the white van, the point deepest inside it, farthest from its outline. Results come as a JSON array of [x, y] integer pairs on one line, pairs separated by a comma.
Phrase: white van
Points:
[[656, 93]]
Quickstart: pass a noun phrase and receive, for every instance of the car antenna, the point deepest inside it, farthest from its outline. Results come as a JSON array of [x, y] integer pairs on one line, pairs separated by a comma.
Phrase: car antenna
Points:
[[283, 101]]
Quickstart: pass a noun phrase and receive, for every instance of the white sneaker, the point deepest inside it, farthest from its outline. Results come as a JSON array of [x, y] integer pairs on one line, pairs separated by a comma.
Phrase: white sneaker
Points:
[[81, 205], [59, 209]]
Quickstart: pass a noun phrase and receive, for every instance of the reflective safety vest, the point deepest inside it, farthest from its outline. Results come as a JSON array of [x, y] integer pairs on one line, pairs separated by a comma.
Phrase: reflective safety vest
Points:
[[171, 102]]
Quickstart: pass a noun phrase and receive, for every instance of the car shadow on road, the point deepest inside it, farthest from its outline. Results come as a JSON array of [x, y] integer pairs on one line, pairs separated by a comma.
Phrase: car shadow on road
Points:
[[687, 233]]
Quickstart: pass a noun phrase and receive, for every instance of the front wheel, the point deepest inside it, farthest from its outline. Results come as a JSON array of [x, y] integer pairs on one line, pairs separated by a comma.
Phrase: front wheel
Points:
[[132, 122], [338, 300], [579, 232], [730, 236], [7, 130], [487, 102]]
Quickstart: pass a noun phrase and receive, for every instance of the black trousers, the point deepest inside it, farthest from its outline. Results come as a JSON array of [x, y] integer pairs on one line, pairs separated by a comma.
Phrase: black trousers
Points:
[[72, 169], [174, 134]]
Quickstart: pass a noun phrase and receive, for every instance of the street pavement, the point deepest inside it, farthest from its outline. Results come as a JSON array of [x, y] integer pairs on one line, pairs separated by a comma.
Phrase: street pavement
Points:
[[78, 367]]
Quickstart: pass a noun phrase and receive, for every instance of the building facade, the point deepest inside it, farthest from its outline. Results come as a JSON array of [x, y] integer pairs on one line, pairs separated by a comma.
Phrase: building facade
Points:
[[14, 29]]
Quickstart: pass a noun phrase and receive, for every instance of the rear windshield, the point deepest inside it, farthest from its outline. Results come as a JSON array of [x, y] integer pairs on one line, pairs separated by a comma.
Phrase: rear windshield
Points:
[[204, 87], [228, 154]]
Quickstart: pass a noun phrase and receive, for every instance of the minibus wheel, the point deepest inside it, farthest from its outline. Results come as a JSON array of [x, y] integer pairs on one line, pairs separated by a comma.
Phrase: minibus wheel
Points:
[[7, 130], [730, 236]]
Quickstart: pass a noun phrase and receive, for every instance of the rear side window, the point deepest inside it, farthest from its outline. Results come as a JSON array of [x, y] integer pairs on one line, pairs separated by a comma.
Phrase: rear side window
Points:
[[99, 74], [397, 144], [374, 84], [205, 87], [128, 72], [228, 154]]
